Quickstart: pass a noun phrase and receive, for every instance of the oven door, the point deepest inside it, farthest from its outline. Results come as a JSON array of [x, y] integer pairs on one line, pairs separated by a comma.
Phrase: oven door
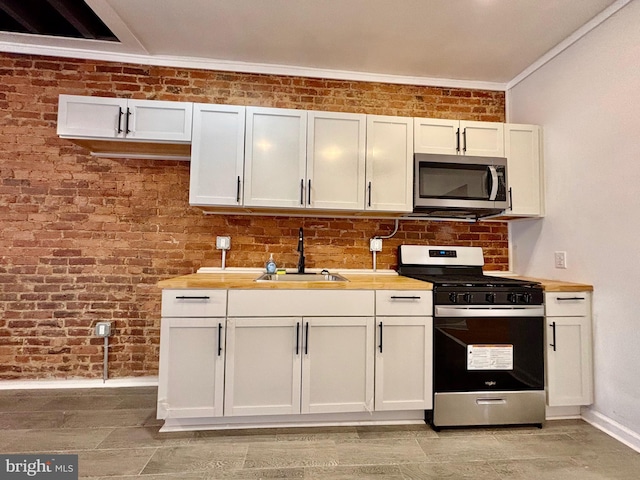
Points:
[[488, 349], [443, 181]]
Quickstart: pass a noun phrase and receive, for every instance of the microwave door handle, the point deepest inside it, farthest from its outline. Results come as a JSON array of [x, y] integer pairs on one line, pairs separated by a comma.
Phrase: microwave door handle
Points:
[[493, 182]]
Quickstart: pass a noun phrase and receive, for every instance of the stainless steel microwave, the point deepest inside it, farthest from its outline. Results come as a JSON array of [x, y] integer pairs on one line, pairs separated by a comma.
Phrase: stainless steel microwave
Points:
[[460, 185]]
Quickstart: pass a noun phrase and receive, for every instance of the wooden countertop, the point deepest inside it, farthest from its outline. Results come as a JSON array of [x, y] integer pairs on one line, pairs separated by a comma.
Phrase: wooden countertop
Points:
[[559, 285], [357, 281]]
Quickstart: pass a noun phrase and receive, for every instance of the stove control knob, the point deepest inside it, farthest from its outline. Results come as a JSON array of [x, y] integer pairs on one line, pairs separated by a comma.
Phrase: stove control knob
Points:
[[491, 298], [467, 297], [513, 297], [453, 297], [526, 298]]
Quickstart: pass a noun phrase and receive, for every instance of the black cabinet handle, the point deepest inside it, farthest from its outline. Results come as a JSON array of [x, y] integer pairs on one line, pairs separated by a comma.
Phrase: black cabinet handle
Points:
[[553, 328], [306, 334], [380, 346], [369, 194], [457, 140], [302, 192], [219, 339], [564, 299], [309, 193], [120, 112], [297, 337], [238, 191], [464, 140], [193, 298], [126, 122], [400, 297]]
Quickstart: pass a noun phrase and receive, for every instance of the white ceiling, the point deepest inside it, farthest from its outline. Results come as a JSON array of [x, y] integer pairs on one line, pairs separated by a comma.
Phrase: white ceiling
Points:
[[483, 43]]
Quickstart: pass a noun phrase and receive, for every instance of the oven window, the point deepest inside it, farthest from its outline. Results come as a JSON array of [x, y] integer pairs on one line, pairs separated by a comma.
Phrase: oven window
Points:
[[444, 180], [515, 343]]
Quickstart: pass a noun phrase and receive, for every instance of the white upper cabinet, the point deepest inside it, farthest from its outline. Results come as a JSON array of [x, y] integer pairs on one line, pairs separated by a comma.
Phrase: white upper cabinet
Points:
[[335, 161], [458, 137], [389, 166], [275, 158], [217, 155], [524, 167], [119, 118]]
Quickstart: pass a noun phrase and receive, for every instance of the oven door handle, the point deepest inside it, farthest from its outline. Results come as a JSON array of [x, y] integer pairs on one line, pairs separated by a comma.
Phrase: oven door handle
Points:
[[493, 183], [507, 311]]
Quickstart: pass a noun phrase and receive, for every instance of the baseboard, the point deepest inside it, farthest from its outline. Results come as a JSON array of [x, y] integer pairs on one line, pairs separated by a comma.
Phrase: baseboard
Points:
[[562, 413], [78, 383], [612, 428]]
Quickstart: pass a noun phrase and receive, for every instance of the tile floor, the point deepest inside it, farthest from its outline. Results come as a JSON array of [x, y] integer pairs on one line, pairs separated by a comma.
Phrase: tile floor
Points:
[[115, 434]]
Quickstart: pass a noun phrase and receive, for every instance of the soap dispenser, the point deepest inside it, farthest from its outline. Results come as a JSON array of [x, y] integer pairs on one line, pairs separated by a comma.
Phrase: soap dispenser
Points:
[[271, 265]]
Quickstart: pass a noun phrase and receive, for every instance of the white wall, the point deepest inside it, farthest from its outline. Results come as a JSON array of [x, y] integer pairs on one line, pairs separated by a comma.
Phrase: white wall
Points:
[[588, 101]]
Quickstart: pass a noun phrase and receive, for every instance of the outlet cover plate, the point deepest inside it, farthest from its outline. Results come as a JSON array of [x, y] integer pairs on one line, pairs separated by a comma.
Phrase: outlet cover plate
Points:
[[375, 245], [103, 329], [223, 243], [560, 259]]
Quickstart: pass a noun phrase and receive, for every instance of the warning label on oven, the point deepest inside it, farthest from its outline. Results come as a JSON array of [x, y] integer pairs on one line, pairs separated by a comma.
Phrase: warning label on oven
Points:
[[489, 357]]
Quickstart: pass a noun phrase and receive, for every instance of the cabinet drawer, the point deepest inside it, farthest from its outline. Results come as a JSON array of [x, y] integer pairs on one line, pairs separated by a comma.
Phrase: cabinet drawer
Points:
[[567, 304], [404, 302], [300, 303], [194, 303]]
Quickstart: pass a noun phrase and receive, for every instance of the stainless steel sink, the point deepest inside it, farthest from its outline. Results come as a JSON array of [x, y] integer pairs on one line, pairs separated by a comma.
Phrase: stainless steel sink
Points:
[[301, 277]]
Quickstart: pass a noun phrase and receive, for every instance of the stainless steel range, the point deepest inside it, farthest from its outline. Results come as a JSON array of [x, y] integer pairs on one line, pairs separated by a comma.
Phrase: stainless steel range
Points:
[[488, 351]]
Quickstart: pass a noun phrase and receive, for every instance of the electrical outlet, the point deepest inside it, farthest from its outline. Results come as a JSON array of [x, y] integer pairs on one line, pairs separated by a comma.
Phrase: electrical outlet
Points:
[[375, 245], [223, 243], [103, 329], [560, 259]]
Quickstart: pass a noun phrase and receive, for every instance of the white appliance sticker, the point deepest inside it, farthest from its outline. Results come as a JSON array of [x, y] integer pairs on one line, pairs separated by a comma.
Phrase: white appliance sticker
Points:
[[489, 357]]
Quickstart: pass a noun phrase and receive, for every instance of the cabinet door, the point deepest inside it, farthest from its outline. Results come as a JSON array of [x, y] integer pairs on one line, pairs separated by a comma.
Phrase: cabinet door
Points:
[[99, 117], [434, 135], [524, 172], [275, 158], [337, 367], [389, 169], [217, 155], [482, 139], [262, 375], [569, 368], [191, 372], [403, 377], [158, 120], [336, 161]]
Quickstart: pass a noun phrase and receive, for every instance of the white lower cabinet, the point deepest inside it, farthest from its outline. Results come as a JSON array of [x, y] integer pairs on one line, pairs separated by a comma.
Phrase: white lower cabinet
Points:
[[337, 365], [244, 356], [191, 379], [192, 354], [263, 366], [404, 339], [279, 364], [403, 363], [569, 373]]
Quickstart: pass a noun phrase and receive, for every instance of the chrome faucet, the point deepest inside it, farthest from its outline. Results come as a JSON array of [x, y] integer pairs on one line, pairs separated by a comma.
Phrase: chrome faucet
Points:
[[301, 251]]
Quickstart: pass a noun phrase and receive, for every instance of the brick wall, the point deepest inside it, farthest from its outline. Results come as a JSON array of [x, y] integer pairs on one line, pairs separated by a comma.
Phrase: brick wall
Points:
[[85, 239]]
